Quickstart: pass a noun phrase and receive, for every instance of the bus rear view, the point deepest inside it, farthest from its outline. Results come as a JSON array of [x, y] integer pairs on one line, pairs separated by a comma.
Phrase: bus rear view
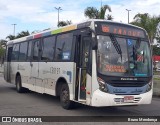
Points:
[[124, 66]]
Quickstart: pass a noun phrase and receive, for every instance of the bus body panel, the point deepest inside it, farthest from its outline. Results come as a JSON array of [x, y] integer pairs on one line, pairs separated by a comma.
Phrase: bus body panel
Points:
[[100, 98], [88, 89], [95, 84], [44, 78]]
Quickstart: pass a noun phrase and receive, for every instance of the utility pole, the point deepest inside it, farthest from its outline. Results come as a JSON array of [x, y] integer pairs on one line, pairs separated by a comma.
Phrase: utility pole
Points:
[[58, 9], [101, 3], [128, 14], [14, 28]]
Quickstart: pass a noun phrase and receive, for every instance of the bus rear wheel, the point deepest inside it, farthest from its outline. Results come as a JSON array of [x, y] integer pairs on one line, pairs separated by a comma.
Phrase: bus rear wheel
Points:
[[65, 97], [19, 87]]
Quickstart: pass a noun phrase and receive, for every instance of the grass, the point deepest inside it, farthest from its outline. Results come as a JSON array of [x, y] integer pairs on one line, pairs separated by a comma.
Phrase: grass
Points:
[[156, 73], [157, 79]]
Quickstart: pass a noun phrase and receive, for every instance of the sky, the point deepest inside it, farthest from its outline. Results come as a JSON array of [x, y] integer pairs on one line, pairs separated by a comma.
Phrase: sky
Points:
[[37, 15]]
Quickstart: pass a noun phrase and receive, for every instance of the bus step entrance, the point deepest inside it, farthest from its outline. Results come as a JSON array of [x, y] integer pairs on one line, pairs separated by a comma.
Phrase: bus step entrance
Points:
[[82, 84]]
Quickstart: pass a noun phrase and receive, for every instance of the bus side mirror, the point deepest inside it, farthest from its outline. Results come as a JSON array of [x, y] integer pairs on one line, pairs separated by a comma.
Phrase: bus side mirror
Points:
[[94, 44]]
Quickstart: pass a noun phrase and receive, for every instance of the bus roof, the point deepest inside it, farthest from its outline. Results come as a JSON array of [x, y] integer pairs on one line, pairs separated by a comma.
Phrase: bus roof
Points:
[[64, 29]]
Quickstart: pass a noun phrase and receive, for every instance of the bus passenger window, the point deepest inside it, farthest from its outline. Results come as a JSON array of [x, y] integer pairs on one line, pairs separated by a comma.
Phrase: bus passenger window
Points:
[[15, 52], [35, 50], [48, 46], [23, 51], [64, 47], [29, 50]]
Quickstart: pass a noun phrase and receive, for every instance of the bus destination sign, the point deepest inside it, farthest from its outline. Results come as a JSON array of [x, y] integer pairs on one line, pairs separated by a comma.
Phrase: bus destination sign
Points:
[[120, 30]]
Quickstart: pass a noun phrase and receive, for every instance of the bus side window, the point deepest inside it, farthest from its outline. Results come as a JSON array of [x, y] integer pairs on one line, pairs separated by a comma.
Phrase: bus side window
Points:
[[35, 50], [23, 51], [48, 47], [29, 51], [8, 55], [64, 47], [15, 52]]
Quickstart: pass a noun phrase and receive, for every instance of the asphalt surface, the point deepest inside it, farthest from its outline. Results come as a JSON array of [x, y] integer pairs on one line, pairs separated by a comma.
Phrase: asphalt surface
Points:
[[34, 104]]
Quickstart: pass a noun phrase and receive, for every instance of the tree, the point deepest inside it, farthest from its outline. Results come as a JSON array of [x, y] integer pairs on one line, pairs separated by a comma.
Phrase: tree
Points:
[[2, 49], [156, 50], [10, 37], [149, 23], [91, 12], [64, 23], [109, 17], [3, 42], [23, 34], [94, 13], [35, 31]]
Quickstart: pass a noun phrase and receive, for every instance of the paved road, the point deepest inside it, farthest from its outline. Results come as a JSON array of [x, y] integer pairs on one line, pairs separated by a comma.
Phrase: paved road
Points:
[[34, 104]]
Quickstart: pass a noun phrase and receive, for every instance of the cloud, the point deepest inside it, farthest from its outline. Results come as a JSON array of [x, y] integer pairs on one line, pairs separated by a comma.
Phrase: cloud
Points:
[[42, 12], [4, 28]]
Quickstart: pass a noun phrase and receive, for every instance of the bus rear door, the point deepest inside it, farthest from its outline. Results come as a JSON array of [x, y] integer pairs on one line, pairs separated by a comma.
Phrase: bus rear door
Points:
[[7, 64]]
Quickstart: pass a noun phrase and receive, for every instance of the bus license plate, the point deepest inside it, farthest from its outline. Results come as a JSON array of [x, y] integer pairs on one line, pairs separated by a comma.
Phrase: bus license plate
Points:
[[128, 98]]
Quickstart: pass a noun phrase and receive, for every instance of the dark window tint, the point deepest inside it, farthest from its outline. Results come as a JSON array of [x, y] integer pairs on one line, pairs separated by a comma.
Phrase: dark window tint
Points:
[[35, 50], [29, 50], [64, 47], [23, 51], [15, 52], [9, 54], [85, 51], [48, 46]]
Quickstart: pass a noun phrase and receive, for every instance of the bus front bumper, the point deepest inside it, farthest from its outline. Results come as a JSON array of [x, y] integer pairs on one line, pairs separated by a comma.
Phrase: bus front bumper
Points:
[[100, 98]]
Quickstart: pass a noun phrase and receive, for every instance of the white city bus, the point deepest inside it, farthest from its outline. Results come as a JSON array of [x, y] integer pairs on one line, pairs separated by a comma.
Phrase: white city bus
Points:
[[96, 63]]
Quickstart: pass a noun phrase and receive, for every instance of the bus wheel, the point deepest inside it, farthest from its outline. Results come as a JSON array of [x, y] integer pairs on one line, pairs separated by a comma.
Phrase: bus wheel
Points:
[[64, 97], [19, 87]]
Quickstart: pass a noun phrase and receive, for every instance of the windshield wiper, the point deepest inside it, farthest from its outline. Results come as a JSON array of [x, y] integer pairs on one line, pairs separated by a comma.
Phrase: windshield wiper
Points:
[[138, 43], [116, 45]]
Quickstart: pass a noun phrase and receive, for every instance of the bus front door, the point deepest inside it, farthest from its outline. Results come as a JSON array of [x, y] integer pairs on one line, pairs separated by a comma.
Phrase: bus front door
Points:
[[82, 58]]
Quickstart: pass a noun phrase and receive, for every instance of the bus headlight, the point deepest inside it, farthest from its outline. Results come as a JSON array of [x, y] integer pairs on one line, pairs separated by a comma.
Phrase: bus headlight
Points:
[[102, 85]]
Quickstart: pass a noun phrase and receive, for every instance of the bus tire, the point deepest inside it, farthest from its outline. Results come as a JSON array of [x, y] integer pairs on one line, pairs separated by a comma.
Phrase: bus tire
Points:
[[19, 87], [65, 97]]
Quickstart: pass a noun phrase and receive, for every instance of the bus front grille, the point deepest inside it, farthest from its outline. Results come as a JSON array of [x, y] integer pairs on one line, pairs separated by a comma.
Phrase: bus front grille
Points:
[[127, 84]]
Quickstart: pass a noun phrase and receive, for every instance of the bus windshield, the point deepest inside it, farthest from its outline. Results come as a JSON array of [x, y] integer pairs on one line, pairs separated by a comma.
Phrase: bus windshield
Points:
[[128, 57]]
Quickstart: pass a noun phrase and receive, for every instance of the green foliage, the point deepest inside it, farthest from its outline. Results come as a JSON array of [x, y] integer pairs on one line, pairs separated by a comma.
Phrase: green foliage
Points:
[[3, 42], [2, 46], [10, 37], [19, 35], [149, 23], [109, 17], [158, 79], [22, 34], [64, 23], [94, 13], [103, 11], [156, 50], [91, 12], [2, 51]]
